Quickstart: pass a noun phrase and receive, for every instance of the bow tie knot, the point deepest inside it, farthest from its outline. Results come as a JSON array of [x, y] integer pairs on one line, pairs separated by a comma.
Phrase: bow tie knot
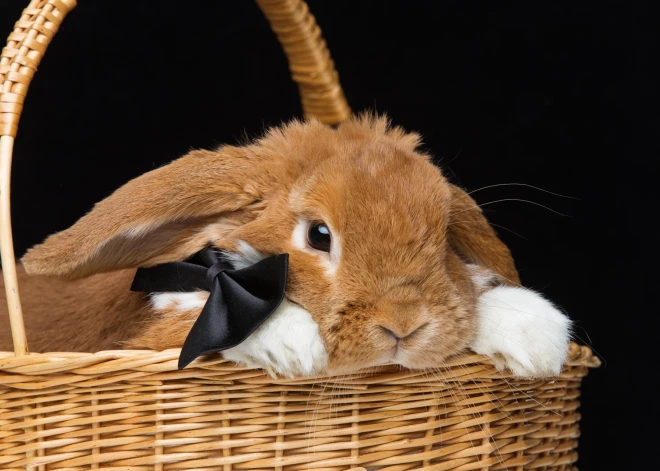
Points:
[[213, 272]]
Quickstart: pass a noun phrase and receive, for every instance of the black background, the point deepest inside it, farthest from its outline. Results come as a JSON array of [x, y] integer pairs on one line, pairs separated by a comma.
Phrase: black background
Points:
[[560, 95]]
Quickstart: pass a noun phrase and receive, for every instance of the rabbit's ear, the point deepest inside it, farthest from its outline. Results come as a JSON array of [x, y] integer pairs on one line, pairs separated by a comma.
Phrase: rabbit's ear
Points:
[[475, 240], [166, 214]]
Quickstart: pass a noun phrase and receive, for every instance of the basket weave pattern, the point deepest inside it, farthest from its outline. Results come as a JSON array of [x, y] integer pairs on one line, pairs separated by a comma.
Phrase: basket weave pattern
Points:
[[134, 411]]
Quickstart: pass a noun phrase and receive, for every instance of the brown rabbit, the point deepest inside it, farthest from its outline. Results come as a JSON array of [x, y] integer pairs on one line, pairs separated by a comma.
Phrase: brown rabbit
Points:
[[388, 261]]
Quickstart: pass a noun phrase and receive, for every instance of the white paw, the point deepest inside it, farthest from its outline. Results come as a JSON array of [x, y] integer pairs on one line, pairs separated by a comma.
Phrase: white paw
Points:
[[287, 344], [520, 330]]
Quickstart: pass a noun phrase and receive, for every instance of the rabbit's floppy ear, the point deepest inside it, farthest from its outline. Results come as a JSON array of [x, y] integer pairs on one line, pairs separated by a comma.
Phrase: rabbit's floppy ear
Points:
[[475, 240], [160, 216]]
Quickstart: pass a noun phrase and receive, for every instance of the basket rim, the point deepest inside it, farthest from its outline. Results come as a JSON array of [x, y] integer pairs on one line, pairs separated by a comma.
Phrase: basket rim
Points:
[[148, 361]]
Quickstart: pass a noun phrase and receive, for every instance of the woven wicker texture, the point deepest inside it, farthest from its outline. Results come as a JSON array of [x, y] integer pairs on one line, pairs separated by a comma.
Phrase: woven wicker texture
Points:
[[25, 48], [309, 59], [133, 410]]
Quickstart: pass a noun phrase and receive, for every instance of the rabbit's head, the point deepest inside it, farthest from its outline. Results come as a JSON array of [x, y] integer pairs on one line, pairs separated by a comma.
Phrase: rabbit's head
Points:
[[381, 247]]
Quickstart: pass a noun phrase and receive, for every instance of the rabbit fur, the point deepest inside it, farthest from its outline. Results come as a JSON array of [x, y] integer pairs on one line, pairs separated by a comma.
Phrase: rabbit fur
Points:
[[414, 273]]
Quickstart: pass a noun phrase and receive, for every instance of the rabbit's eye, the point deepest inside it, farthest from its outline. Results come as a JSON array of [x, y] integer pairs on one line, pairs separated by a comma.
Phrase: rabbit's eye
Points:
[[318, 237]]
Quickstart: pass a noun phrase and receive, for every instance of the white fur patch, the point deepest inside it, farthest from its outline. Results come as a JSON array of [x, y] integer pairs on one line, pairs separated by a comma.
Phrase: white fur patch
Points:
[[481, 277], [246, 256], [299, 238], [520, 330], [179, 301], [288, 343]]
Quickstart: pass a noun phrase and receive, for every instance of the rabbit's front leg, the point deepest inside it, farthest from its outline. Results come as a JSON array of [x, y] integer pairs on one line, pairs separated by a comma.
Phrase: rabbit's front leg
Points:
[[287, 344], [522, 331]]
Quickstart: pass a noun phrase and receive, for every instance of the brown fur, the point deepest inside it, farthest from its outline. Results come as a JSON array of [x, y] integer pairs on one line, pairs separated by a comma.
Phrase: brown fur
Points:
[[93, 314], [471, 236], [167, 329], [405, 235]]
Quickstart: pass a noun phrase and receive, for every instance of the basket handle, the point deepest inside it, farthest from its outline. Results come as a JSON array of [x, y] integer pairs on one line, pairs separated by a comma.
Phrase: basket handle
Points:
[[309, 62]]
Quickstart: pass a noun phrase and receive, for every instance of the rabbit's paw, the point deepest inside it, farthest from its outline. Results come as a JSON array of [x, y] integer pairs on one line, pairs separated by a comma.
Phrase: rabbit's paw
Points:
[[520, 330], [287, 344]]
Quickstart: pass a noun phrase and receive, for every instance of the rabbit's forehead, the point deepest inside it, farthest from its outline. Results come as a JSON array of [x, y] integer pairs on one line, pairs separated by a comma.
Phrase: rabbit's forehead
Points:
[[397, 192]]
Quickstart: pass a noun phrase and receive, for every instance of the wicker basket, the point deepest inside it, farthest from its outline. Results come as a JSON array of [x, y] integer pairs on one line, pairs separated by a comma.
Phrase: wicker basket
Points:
[[133, 410]]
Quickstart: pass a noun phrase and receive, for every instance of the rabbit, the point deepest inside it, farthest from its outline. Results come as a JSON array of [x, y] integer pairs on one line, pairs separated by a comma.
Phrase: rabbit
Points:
[[388, 261]]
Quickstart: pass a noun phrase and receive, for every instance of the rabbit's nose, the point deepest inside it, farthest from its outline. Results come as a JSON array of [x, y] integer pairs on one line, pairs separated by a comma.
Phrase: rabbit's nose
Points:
[[401, 332]]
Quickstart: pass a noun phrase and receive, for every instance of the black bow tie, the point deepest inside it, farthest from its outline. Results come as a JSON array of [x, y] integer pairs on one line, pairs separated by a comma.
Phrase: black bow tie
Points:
[[240, 300]]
